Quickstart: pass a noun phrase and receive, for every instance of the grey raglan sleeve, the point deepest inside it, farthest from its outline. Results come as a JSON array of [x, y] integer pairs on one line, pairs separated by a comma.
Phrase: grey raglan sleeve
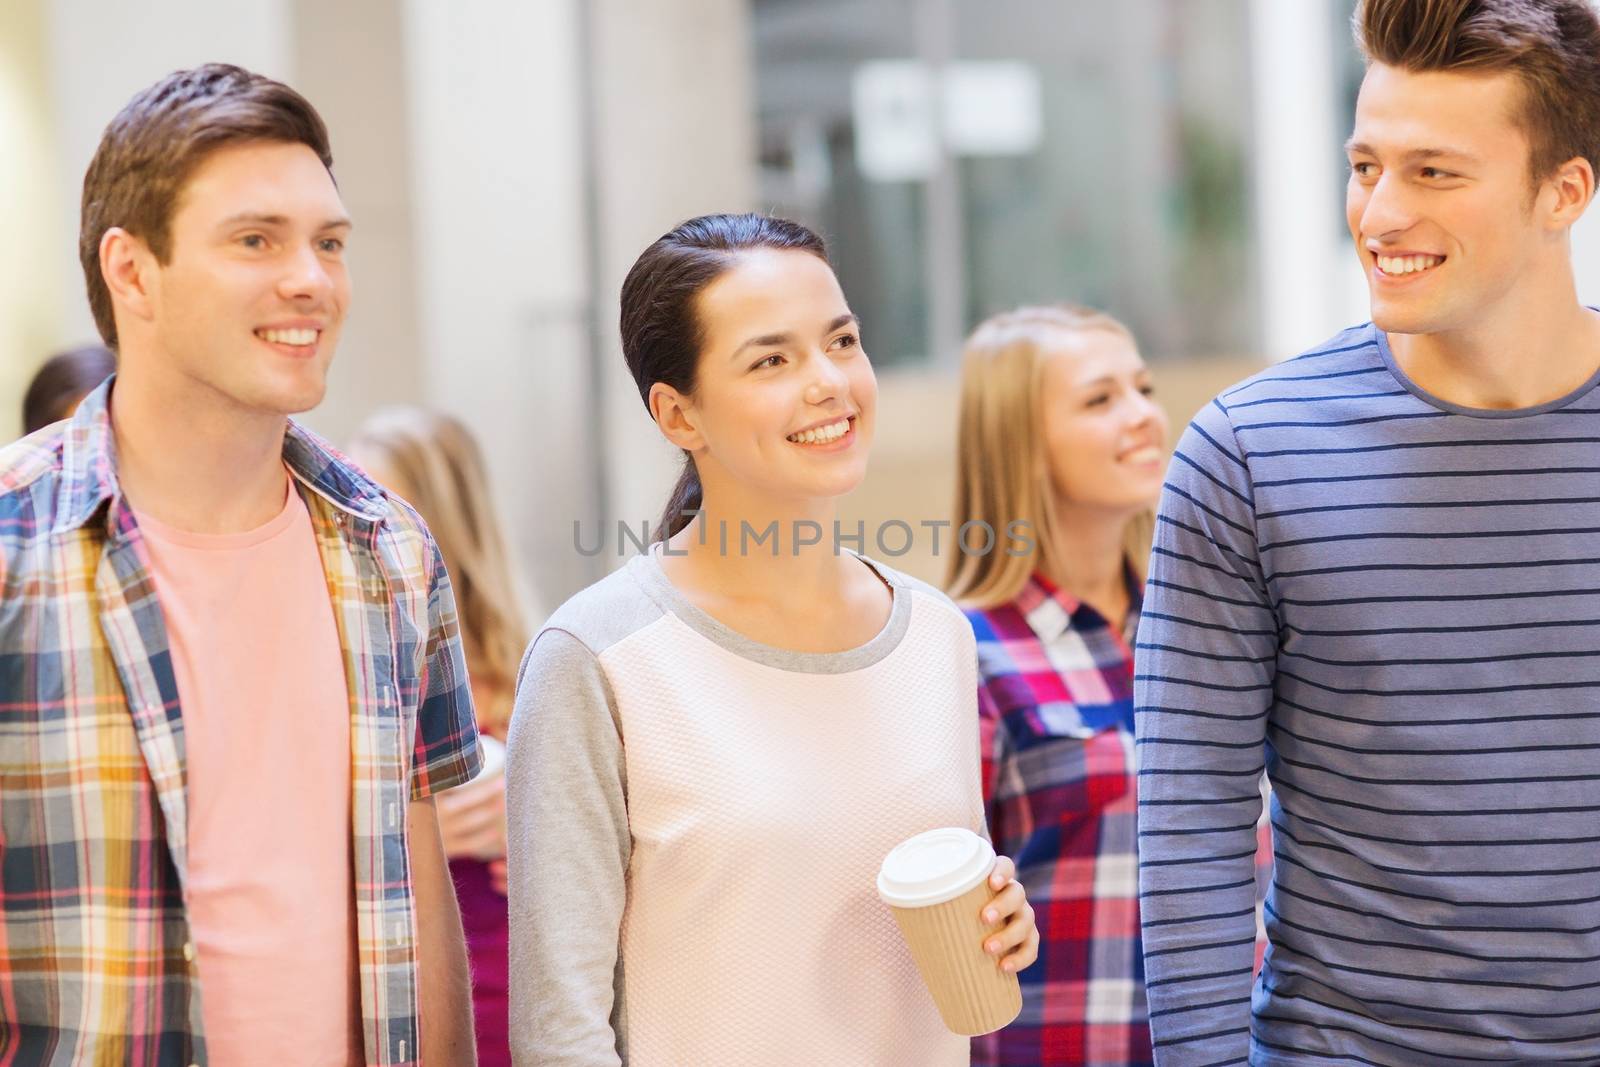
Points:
[[568, 848], [1202, 691]]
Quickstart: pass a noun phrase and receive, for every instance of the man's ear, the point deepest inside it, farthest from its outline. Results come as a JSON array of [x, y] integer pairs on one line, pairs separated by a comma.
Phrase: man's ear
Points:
[[129, 269], [1573, 185], [676, 417]]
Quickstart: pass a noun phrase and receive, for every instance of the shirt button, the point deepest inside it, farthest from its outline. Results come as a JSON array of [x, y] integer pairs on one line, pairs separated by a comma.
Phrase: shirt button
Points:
[[188, 951]]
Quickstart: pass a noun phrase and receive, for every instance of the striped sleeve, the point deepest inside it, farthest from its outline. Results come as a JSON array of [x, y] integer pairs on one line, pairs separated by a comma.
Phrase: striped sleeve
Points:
[[1203, 686]]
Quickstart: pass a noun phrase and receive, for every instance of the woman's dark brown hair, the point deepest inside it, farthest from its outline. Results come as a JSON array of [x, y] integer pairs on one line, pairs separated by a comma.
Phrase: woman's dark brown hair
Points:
[[1553, 46], [661, 331], [62, 382], [155, 143]]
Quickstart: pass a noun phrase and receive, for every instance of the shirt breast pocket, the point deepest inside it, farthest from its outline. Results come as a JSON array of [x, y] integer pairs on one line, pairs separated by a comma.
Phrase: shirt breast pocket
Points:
[[1072, 760]]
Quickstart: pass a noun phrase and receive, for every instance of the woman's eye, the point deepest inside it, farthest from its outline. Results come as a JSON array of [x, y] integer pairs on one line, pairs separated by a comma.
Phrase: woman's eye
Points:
[[773, 360], [1435, 172], [253, 240], [848, 340], [1148, 390], [1097, 400], [331, 245], [1362, 170]]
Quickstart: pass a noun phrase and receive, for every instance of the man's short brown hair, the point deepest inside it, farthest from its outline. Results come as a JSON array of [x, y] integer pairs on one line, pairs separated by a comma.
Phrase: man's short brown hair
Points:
[[1552, 45], [155, 143]]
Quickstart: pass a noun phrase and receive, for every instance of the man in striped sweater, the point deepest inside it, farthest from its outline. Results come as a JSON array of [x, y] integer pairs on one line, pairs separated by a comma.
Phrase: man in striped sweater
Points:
[[1376, 575]]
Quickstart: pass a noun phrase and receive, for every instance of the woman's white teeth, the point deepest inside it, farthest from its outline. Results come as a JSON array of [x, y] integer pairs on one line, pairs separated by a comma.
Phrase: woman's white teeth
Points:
[[288, 337], [1407, 264], [822, 434], [1147, 454]]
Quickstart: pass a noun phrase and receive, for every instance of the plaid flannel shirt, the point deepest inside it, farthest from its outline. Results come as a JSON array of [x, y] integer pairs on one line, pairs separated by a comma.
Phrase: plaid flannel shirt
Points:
[[1055, 702], [94, 941]]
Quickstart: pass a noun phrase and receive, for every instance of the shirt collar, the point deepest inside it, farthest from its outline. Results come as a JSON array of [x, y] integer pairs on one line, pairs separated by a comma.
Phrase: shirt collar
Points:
[[1051, 612], [89, 467]]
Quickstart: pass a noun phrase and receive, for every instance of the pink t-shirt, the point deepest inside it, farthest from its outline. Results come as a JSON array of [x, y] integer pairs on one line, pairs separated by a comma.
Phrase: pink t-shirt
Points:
[[266, 723]]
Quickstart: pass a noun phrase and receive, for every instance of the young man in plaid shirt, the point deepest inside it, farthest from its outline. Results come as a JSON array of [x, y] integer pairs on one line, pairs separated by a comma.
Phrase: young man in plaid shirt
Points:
[[230, 677]]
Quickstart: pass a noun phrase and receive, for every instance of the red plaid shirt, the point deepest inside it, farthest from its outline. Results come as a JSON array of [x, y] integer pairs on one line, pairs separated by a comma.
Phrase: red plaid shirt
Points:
[[1055, 701]]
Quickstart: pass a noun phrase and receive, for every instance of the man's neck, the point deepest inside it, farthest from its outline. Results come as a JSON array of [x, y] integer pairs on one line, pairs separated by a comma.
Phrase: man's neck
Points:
[[1529, 352], [191, 459]]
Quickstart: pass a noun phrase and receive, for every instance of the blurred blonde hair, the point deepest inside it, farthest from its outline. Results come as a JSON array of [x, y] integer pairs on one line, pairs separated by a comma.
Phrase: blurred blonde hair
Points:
[[1002, 469], [445, 479]]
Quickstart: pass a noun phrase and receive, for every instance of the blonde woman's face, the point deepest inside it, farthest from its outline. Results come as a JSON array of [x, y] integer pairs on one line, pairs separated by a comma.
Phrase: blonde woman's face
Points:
[[785, 397], [1105, 438]]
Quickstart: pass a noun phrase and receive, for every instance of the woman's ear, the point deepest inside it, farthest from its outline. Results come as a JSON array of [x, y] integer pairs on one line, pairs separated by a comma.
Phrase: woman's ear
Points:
[[675, 416]]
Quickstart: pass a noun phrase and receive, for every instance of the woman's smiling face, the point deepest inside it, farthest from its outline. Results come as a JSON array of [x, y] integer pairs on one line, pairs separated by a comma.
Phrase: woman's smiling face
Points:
[[784, 396]]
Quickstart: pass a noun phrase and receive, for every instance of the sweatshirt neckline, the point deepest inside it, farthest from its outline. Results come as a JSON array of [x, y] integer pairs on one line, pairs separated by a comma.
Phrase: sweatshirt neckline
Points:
[[647, 568], [1387, 355]]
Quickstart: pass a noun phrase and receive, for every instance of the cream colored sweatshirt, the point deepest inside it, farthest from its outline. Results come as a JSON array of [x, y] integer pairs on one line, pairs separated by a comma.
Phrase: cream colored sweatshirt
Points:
[[696, 824]]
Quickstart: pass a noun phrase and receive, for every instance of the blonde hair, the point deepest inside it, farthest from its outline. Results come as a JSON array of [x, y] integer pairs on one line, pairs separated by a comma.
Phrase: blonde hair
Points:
[[442, 467], [1002, 470]]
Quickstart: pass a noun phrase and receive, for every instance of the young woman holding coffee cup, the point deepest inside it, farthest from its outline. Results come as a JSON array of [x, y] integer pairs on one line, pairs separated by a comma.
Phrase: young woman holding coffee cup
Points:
[[714, 748]]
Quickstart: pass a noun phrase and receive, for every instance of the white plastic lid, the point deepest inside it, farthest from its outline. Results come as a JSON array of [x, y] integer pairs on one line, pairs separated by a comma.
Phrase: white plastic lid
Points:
[[934, 867]]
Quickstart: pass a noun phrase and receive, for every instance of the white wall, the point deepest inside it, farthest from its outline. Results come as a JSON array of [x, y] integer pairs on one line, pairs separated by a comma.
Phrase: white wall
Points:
[[32, 283], [1586, 256], [676, 138], [1311, 283], [501, 262], [349, 61], [101, 52]]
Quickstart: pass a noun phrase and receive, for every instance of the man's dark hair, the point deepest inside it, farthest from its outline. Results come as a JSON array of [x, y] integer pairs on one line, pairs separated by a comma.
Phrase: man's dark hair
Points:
[[1553, 46], [155, 143]]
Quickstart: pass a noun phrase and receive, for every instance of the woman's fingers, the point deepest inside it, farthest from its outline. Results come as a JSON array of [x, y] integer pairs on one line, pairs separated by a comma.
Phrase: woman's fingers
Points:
[[1005, 904], [1027, 952], [1016, 942], [1012, 934], [1004, 871]]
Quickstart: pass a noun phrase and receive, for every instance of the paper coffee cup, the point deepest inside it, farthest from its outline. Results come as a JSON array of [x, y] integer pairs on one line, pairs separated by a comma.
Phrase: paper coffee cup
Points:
[[937, 885]]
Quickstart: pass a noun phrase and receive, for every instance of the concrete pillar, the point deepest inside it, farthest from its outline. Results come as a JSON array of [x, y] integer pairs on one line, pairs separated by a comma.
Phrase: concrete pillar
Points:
[[1304, 263], [500, 264], [675, 139]]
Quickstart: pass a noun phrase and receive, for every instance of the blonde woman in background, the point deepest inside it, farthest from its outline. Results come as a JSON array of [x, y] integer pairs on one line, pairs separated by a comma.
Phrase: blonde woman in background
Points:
[[1058, 430], [432, 462]]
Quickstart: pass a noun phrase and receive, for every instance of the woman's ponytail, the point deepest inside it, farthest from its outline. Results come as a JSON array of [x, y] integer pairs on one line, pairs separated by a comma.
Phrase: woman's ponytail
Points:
[[682, 504]]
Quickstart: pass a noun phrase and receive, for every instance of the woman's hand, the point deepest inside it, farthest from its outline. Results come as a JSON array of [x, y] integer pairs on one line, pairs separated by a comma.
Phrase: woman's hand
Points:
[[472, 818], [1016, 944]]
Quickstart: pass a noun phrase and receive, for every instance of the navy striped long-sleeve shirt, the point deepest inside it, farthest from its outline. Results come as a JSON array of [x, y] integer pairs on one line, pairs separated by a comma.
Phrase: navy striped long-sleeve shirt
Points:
[[1392, 604]]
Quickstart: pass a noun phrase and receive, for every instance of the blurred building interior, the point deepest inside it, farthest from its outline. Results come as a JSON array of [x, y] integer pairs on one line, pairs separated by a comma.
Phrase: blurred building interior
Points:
[[1176, 162]]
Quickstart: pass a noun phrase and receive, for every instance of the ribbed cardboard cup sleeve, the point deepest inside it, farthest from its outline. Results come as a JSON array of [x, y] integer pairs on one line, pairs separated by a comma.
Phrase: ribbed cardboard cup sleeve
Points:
[[973, 995]]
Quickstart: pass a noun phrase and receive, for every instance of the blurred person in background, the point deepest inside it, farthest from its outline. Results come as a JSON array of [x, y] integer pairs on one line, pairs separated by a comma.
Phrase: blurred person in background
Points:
[[231, 683], [714, 748], [1058, 431], [432, 461], [1374, 574], [62, 382]]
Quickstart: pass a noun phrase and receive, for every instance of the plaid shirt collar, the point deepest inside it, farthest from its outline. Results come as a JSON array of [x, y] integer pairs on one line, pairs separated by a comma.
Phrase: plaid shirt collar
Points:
[[89, 469], [1052, 611]]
